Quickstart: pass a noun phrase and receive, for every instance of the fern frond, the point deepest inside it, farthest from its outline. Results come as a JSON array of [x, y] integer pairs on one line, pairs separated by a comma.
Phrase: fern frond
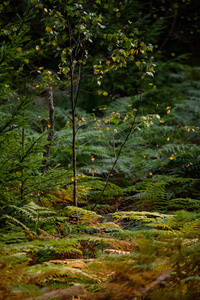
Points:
[[184, 204], [82, 214]]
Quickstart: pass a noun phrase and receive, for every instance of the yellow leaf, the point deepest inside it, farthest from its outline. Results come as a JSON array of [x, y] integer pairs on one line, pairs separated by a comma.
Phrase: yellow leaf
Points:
[[168, 107], [48, 29], [108, 62], [138, 63], [105, 93], [162, 121]]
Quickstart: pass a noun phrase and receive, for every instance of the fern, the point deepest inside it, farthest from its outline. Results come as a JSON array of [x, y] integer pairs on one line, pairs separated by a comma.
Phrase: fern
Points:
[[143, 217], [82, 214], [33, 215], [51, 273], [185, 204]]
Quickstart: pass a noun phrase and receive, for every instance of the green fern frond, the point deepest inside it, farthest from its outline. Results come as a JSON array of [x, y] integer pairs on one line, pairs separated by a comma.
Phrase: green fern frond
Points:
[[184, 204], [14, 220], [143, 217], [51, 272], [106, 227], [82, 214]]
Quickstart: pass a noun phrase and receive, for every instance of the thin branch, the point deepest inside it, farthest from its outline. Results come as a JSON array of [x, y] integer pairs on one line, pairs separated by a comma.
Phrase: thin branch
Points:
[[132, 129], [170, 32], [64, 154]]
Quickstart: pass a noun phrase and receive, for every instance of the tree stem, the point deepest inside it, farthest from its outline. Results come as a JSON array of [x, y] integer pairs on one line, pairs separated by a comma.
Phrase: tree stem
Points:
[[46, 152]]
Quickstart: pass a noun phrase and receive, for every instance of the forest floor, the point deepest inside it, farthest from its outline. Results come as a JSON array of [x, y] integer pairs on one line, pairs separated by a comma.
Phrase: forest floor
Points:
[[124, 255]]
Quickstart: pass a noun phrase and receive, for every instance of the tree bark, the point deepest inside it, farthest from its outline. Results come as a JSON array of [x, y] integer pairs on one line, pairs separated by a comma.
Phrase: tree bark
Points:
[[49, 92]]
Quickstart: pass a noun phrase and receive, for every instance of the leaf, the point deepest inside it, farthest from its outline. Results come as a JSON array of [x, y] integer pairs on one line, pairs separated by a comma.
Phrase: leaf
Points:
[[150, 74], [48, 29], [138, 63]]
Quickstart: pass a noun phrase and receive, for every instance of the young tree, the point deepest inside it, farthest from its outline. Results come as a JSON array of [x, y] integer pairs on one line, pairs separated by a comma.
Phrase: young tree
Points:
[[75, 32], [21, 146]]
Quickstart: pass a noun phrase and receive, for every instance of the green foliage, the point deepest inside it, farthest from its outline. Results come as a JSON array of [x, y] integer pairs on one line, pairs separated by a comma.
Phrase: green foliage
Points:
[[137, 130], [32, 214], [82, 214], [184, 203]]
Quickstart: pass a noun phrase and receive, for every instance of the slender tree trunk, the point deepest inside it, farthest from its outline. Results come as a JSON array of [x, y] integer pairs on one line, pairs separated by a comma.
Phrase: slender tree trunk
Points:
[[22, 171], [74, 154], [48, 91], [73, 105]]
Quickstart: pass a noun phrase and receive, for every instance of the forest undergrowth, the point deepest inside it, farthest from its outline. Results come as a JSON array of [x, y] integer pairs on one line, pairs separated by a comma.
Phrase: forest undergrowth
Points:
[[120, 255], [99, 150], [141, 239]]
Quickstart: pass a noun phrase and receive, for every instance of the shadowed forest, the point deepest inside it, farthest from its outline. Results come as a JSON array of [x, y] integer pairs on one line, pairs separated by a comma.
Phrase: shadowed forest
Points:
[[100, 149]]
